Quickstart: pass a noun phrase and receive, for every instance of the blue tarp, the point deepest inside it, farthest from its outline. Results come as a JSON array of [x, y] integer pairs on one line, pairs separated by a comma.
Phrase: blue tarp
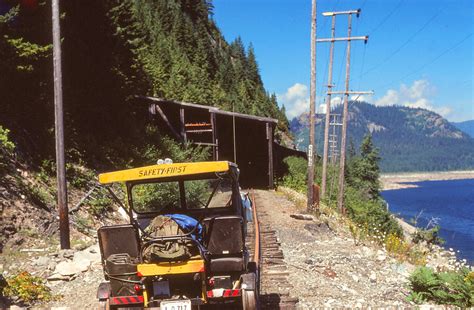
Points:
[[187, 224]]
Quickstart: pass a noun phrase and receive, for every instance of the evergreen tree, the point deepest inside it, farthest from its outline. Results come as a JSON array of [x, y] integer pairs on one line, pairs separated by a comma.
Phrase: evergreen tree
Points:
[[363, 171], [253, 72]]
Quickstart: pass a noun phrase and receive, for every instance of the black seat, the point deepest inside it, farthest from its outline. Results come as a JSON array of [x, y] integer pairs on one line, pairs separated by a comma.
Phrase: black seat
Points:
[[111, 241], [227, 264], [224, 235], [225, 243]]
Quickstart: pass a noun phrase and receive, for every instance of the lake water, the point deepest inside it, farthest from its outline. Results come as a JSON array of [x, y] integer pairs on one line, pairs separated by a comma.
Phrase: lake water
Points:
[[452, 202]]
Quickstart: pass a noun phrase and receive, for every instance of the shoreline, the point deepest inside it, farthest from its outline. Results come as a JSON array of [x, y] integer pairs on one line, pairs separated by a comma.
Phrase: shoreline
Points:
[[393, 181]]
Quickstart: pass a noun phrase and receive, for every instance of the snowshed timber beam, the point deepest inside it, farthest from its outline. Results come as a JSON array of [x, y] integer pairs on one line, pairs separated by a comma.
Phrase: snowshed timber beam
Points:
[[156, 108], [211, 109], [269, 129]]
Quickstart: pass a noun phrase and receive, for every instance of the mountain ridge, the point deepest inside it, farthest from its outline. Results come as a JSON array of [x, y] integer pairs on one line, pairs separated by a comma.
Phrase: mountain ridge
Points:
[[466, 126], [409, 139]]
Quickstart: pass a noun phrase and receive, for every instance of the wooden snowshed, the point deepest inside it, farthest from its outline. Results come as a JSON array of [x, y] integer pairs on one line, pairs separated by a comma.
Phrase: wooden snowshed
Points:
[[209, 126]]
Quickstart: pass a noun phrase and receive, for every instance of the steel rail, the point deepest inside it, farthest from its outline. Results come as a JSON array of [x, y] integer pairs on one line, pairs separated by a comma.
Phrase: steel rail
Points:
[[256, 255]]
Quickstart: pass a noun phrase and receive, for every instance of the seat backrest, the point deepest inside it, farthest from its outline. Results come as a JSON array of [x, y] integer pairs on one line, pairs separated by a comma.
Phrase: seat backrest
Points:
[[118, 239], [224, 235]]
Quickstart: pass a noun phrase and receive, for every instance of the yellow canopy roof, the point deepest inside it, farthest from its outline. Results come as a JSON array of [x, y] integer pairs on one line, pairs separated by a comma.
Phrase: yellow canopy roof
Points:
[[163, 171]]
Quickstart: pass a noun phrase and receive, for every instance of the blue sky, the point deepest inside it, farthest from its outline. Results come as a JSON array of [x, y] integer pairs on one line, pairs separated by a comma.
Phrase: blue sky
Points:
[[420, 52]]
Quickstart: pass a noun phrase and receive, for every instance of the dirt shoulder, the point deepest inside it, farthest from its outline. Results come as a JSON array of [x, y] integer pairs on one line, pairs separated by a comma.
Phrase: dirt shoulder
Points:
[[397, 180], [327, 269]]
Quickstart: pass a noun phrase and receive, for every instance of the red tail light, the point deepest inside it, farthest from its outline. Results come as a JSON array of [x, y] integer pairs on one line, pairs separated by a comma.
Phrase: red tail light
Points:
[[138, 288]]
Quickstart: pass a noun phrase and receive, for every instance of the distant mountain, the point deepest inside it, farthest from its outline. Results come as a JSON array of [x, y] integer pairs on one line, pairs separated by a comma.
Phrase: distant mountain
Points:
[[467, 127], [409, 139]]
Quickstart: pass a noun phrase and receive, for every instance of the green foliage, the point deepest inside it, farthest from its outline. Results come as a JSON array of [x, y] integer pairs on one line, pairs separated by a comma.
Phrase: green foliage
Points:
[[9, 16], [100, 204], [370, 213], [362, 198], [46, 170], [428, 235], [156, 194], [152, 197], [27, 287], [448, 288], [165, 147], [404, 251], [79, 177], [295, 177], [5, 144], [28, 53], [40, 196], [6, 148], [363, 171]]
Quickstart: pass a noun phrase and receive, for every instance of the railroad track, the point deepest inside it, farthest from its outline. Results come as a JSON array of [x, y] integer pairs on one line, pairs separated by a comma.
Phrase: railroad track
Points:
[[266, 252]]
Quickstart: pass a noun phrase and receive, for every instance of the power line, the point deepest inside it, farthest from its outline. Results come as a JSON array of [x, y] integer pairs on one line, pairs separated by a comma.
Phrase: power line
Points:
[[355, 30], [432, 60], [333, 9], [396, 51], [340, 69], [384, 20], [362, 67], [324, 77]]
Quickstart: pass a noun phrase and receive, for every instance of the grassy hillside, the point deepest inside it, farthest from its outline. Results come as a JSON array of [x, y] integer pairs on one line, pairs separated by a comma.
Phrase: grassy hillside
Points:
[[408, 139]]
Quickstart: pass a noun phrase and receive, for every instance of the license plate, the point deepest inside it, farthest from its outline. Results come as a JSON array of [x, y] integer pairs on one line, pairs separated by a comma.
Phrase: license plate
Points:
[[182, 304]]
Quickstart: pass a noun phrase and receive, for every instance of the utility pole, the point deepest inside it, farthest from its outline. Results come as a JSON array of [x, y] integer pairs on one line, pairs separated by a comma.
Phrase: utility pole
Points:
[[346, 92], [333, 139], [328, 109], [342, 161], [311, 146], [328, 94], [59, 131], [233, 133]]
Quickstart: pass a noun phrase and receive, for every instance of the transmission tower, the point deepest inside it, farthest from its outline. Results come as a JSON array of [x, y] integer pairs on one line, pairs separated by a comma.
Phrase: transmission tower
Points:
[[333, 138]]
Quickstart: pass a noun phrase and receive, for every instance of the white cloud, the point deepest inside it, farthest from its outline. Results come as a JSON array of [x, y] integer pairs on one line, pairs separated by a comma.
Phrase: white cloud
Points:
[[296, 100], [297, 91], [335, 101], [418, 95], [361, 98], [390, 98], [322, 109], [443, 111]]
